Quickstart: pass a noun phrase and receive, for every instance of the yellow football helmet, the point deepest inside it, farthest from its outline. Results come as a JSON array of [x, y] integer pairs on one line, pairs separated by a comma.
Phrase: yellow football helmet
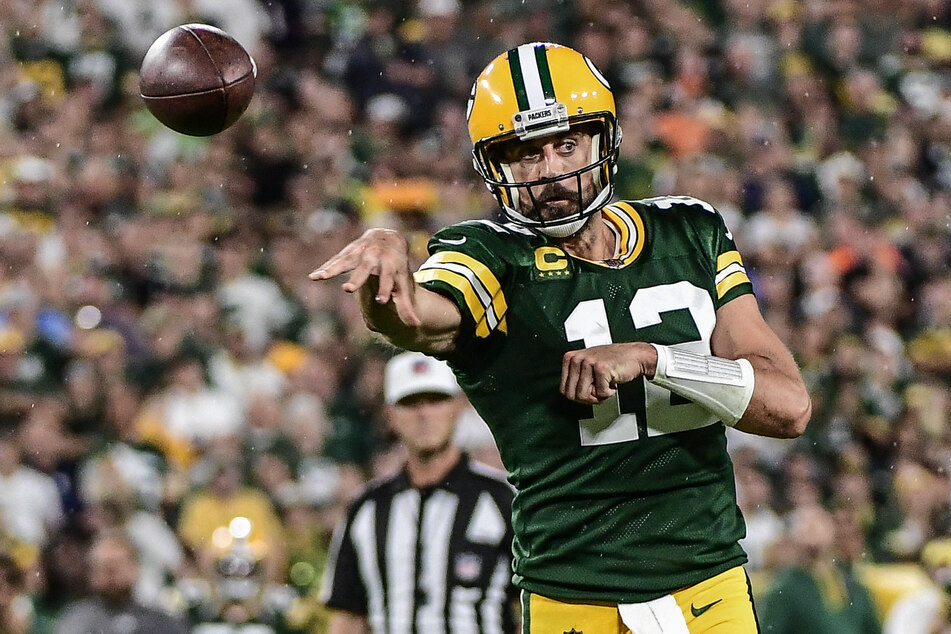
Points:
[[536, 90]]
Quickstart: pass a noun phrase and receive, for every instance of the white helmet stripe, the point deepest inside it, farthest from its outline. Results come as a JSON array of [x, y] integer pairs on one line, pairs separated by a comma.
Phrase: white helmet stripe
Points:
[[531, 77]]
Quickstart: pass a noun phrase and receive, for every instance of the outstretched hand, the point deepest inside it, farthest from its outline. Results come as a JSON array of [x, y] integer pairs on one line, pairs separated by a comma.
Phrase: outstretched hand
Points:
[[378, 263]]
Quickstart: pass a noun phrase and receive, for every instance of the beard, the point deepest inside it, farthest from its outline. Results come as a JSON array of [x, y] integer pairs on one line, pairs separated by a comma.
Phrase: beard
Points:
[[555, 200]]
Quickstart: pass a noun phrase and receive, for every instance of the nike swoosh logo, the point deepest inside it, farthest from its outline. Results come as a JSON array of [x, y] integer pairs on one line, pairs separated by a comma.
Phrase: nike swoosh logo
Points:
[[455, 242], [698, 611]]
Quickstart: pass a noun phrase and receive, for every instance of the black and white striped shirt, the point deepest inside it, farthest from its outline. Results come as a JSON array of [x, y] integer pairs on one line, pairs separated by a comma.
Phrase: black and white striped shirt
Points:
[[434, 560]]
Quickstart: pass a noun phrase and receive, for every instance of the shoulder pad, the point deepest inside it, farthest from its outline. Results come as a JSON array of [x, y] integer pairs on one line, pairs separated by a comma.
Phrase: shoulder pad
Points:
[[671, 202]]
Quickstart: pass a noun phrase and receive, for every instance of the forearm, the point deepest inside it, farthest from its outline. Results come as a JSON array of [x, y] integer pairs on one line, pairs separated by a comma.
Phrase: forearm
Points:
[[780, 406], [754, 394], [438, 320]]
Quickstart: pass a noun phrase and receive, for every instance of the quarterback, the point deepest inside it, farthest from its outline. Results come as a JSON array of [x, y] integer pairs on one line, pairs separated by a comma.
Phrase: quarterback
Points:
[[606, 344]]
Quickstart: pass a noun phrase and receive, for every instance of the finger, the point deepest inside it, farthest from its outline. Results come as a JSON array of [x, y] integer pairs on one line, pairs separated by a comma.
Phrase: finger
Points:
[[563, 383], [568, 376], [398, 286], [584, 389], [321, 273], [358, 277], [602, 391], [389, 276], [343, 261], [602, 385], [405, 309], [573, 376]]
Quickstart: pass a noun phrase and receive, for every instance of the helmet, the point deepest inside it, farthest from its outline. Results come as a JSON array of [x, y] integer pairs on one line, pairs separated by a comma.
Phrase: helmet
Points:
[[535, 90]]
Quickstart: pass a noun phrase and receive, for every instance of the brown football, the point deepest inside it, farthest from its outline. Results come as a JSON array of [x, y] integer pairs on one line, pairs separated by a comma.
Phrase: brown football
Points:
[[196, 79]]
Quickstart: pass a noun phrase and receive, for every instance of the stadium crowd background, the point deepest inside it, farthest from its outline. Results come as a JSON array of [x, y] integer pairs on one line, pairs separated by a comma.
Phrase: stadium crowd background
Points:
[[165, 364]]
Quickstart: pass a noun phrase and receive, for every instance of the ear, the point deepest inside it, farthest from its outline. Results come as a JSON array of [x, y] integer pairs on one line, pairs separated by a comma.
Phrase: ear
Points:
[[389, 414]]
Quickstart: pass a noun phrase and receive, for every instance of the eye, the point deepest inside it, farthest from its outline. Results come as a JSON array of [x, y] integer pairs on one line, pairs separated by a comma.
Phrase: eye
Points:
[[567, 146], [528, 154]]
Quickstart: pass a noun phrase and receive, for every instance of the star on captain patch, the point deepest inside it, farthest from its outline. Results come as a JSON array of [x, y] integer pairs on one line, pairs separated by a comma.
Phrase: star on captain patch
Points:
[[573, 631]]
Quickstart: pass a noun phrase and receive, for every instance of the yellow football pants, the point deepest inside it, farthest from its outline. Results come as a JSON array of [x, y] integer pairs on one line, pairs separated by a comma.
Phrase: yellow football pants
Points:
[[720, 605]]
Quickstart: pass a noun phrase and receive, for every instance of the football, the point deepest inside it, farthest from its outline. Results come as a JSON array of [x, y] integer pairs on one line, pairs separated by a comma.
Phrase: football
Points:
[[196, 79]]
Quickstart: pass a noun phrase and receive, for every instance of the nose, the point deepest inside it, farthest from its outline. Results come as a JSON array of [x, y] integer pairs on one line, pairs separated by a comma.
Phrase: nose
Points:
[[552, 163]]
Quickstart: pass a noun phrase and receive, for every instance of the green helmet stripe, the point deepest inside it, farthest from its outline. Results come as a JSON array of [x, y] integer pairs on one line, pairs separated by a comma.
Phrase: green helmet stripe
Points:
[[544, 73], [515, 66]]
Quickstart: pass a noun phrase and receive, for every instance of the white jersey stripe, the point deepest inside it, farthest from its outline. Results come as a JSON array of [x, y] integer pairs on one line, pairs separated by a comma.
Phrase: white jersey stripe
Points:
[[401, 561], [363, 534], [495, 595], [439, 513], [730, 270], [462, 611], [484, 297]]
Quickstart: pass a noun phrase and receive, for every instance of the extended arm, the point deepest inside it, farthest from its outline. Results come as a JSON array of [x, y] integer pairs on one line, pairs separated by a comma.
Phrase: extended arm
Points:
[[406, 314]]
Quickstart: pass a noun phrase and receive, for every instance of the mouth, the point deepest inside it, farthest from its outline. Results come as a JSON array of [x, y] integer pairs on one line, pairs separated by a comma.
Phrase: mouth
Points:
[[556, 199], [556, 207]]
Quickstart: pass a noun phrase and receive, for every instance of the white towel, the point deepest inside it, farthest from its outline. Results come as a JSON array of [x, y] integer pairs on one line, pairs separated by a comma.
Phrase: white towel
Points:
[[660, 616]]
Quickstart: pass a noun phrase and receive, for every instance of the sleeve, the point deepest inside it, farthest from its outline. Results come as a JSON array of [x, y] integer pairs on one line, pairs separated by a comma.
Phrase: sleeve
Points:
[[708, 232], [465, 265], [341, 587], [732, 279]]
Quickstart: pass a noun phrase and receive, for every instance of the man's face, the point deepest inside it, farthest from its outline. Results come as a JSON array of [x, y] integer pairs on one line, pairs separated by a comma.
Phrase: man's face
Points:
[[113, 569], [550, 157], [424, 422]]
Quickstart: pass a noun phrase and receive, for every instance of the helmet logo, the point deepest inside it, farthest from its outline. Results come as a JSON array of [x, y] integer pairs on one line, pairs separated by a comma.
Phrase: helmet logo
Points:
[[530, 124]]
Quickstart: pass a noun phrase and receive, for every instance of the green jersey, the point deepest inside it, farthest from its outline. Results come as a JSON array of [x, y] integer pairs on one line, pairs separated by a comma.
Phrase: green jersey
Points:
[[632, 498]]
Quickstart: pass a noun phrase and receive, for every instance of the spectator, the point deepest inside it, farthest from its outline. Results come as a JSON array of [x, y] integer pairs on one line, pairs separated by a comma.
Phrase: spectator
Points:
[[816, 593], [60, 576], [14, 611], [211, 508], [30, 506], [192, 411], [924, 610], [111, 607]]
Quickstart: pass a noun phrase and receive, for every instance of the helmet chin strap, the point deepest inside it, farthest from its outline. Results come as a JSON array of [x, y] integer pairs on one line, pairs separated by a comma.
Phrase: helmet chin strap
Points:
[[563, 231]]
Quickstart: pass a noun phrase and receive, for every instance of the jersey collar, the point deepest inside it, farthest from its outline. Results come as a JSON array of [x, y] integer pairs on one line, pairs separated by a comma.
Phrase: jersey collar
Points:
[[628, 228]]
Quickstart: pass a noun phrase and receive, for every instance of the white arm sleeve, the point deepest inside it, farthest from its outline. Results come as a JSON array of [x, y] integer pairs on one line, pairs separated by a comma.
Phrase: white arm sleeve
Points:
[[722, 386]]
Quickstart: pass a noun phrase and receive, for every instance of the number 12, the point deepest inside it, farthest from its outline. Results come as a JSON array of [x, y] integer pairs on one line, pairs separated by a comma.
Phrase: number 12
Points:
[[623, 417]]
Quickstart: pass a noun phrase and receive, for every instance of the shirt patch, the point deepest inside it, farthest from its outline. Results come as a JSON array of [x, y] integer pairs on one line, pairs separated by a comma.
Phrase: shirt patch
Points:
[[468, 567], [551, 263]]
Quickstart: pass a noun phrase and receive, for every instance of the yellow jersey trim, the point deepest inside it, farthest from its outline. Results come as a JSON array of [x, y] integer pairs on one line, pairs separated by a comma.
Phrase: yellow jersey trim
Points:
[[475, 282]]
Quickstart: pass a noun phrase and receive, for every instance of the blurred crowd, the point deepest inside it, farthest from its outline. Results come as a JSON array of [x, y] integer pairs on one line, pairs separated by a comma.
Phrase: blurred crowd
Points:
[[176, 393]]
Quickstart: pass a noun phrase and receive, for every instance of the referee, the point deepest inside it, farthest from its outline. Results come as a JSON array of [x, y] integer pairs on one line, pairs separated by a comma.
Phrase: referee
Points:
[[429, 549]]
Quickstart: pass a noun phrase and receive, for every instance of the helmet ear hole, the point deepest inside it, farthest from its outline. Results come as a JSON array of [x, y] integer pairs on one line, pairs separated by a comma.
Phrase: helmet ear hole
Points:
[[510, 193], [596, 151]]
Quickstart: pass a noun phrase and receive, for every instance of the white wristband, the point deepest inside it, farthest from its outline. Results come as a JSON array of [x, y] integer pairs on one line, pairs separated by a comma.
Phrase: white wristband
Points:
[[722, 386]]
